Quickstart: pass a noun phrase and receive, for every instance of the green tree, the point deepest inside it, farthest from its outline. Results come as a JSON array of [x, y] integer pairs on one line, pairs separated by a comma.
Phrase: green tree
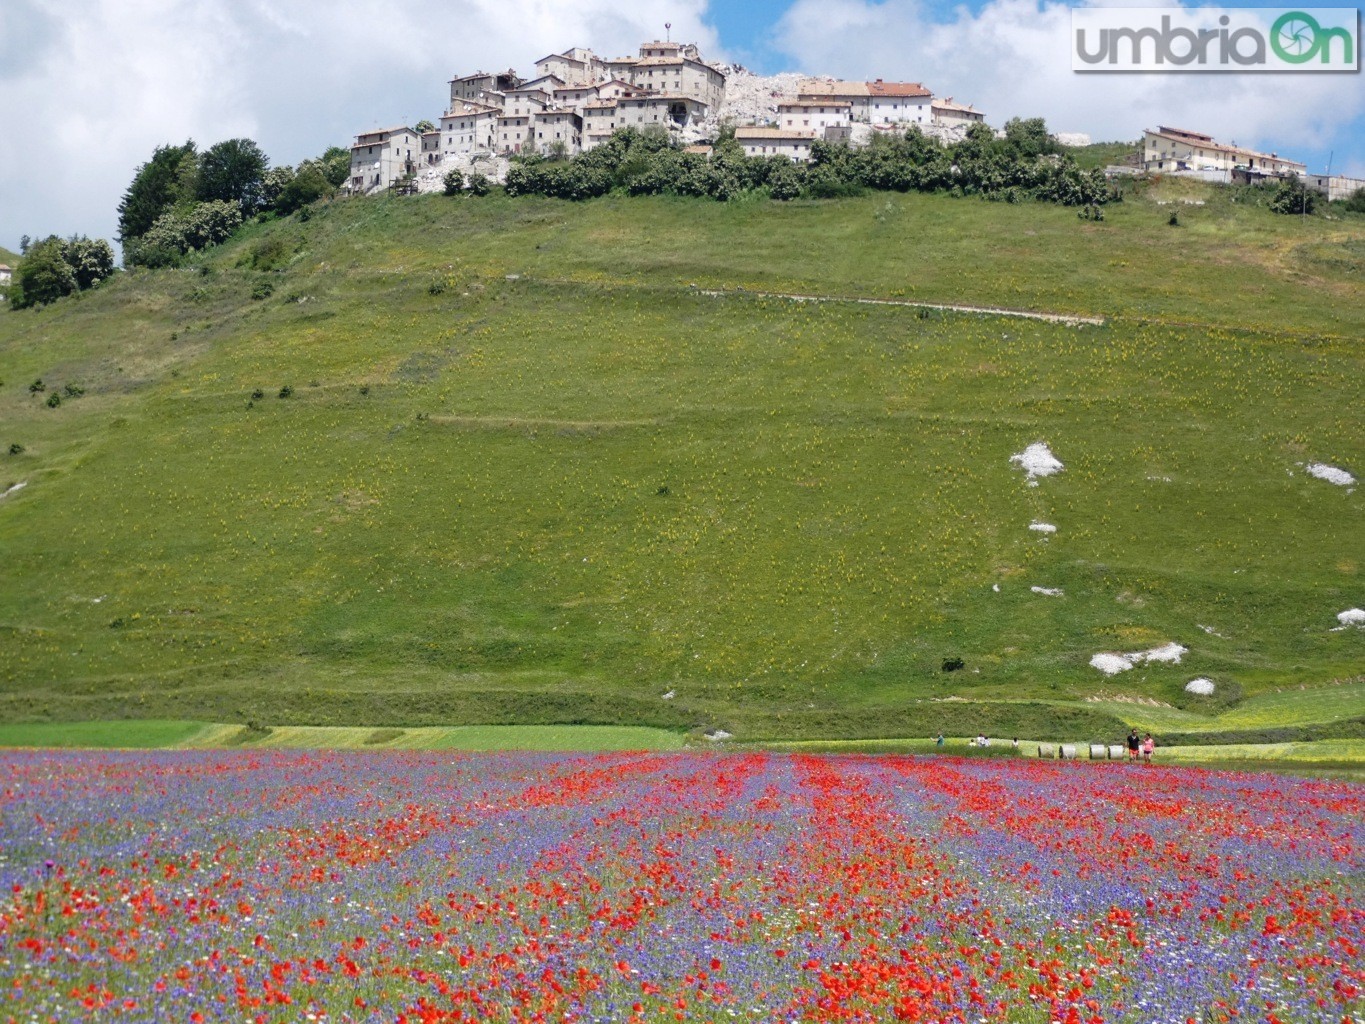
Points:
[[423, 126], [1029, 136], [233, 171], [453, 182], [273, 183], [478, 184], [44, 276], [157, 186], [335, 165], [1293, 196], [306, 186], [91, 260], [1355, 202]]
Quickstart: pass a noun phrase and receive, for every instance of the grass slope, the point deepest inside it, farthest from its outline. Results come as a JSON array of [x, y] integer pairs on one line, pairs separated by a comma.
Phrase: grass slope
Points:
[[550, 499]]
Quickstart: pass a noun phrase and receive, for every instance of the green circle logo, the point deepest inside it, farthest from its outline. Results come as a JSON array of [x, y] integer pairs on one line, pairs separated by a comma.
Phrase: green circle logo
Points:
[[1296, 37]]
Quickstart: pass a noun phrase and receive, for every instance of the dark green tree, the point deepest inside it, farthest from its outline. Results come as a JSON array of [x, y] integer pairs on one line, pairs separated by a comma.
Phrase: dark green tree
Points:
[[91, 260], [157, 186], [1293, 196], [1029, 136], [1355, 202], [44, 276], [233, 171], [335, 165], [306, 186], [423, 126]]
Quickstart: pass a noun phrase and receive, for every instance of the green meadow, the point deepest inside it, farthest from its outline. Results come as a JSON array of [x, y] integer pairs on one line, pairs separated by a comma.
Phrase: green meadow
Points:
[[527, 471]]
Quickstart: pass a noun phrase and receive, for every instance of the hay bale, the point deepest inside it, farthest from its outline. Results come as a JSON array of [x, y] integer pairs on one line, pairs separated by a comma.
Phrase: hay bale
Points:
[[1047, 750], [1067, 752], [1099, 752], [1117, 752]]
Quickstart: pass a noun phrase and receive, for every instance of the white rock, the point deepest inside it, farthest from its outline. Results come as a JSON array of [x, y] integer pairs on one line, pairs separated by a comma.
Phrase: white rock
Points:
[[1037, 527], [1203, 687], [1037, 460], [995, 587], [17, 487], [1351, 617], [716, 735], [1048, 591], [1169, 653], [1331, 474], [1111, 664], [669, 695]]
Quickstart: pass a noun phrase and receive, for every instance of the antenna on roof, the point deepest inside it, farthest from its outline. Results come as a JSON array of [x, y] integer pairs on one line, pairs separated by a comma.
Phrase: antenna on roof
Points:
[[668, 31]]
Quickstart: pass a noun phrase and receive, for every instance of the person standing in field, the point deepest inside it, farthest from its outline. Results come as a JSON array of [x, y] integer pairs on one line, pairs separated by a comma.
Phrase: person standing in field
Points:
[[1134, 743], [939, 742], [1148, 745]]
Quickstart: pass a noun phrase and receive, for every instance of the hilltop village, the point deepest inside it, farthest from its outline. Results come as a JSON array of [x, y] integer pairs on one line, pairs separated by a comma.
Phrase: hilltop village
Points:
[[577, 100]]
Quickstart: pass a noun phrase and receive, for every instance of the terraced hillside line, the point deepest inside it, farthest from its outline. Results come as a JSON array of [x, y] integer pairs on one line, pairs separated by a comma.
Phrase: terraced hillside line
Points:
[[1071, 320]]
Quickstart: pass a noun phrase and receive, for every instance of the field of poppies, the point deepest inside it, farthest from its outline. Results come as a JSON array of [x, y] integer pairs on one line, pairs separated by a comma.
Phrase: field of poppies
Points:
[[272, 886]]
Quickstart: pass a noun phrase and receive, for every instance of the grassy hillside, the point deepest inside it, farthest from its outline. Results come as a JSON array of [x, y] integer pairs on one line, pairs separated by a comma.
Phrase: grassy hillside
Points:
[[530, 472]]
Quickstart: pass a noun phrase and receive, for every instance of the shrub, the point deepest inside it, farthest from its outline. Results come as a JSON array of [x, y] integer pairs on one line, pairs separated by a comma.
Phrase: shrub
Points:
[[262, 289], [286, 391], [478, 184], [1356, 201], [953, 664], [74, 391], [54, 400], [16, 449], [453, 183], [174, 235], [257, 395], [37, 387], [1293, 196]]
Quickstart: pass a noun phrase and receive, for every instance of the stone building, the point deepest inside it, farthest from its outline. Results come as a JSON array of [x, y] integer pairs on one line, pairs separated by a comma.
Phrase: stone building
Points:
[[469, 128], [814, 115], [1175, 149], [381, 157], [947, 114], [763, 141], [557, 132], [876, 102], [480, 84]]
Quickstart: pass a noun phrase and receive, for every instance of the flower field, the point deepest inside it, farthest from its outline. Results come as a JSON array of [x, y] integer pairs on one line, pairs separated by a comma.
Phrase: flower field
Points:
[[271, 886]]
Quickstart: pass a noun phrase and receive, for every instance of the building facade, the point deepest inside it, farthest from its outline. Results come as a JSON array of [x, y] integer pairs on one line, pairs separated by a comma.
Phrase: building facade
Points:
[[380, 158], [762, 141], [1175, 149]]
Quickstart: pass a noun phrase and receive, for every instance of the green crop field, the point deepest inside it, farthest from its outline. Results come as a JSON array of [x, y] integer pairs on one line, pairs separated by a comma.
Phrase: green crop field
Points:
[[529, 471]]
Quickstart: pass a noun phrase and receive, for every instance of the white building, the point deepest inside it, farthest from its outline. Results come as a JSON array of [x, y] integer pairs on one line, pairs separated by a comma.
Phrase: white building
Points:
[[814, 115], [557, 132], [480, 84], [761, 141], [876, 102], [513, 133], [469, 128], [381, 157], [1175, 149], [576, 66], [947, 114], [1334, 186]]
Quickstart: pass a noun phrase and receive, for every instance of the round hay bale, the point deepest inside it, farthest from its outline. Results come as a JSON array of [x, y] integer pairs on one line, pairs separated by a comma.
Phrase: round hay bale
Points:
[[1047, 750], [1099, 752], [1116, 752], [1067, 752]]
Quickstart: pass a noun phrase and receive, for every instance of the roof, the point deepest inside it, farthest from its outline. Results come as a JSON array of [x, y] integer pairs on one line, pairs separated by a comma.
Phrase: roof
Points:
[[472, 110], [533, 86], [434, 131], [759, 132], [5, 266], [813, 103], [378, 131], [1181, 131], [654, 62], [948, 104], [817, 87], [600, 105], [703, 150], [1206, 142], [661, 42], [561, 56], [880, 88], [476, 74]]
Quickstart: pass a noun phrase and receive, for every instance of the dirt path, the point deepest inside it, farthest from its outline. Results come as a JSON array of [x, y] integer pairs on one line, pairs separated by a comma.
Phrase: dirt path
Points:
[[1052, 318]]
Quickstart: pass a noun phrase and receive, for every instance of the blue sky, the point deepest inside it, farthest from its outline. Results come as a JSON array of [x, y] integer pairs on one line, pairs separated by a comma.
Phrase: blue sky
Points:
[[100, 83]]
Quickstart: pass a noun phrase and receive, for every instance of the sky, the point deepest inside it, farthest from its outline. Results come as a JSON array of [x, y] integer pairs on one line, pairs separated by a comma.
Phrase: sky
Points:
[[88, 88]]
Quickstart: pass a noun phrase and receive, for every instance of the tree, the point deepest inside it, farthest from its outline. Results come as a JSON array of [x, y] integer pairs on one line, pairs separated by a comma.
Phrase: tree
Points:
[[423, 126], [307, 186], [479, 185], [335, 165], [1029, 136], [176, 233], [233, 171], [453, 182], [91, 260], [1355, 202], [157, 186], [44, 276], [1293, 196]]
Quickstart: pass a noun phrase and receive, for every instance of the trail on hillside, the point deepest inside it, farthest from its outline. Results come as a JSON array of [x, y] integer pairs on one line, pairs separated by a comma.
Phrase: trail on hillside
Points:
[[1069, 319]]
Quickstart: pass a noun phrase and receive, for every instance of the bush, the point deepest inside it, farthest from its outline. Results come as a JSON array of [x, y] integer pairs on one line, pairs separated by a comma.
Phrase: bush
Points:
[[262, 289], [286, 391], [1293, 196], [478, 184], [453, 183], [16, 449], [176, 234], [1356, 201], [54, 400], [73, 391]]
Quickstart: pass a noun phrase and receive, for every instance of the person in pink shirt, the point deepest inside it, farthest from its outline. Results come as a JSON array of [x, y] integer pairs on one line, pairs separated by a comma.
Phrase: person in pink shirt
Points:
[[1148, 745]]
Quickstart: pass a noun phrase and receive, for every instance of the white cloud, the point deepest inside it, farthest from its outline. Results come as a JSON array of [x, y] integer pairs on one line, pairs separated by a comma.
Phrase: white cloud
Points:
[[1013, 58], [91, 87]]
